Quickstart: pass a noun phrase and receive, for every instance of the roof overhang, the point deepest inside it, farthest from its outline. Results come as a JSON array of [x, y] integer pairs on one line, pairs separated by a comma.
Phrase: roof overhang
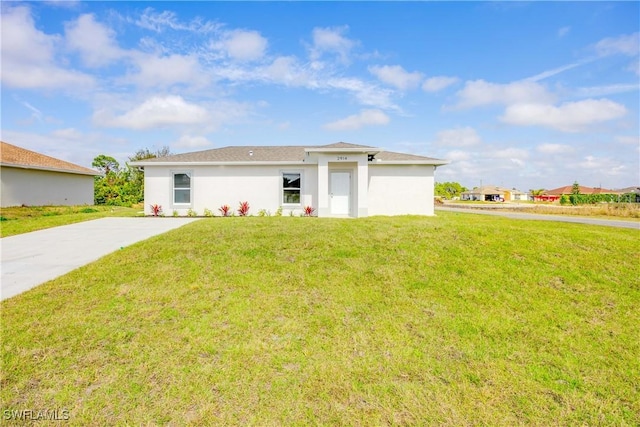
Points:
[[44, 168], [367, 150], [434, 162], [187, 164]]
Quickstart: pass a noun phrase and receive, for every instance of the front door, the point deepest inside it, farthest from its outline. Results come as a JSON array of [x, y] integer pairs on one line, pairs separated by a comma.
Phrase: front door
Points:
[[340, 193]]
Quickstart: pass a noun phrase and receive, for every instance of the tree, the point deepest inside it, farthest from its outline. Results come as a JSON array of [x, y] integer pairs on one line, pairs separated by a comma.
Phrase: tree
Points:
[[449, 190], [106, 164], [122, 187], [575, 188]]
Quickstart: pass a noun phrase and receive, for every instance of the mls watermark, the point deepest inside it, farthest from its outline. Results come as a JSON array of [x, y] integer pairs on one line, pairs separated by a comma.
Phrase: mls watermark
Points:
[[36, 414]]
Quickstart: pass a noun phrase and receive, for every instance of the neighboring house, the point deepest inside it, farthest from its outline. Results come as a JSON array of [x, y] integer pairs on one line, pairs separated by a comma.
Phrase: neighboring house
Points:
[[631, 190], [33, 179], [556, 193], [491, 193], [337, 180]]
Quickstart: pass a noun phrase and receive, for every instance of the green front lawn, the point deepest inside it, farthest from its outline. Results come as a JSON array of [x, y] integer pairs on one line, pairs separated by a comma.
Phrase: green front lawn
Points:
[[18, 220], [458, 319]]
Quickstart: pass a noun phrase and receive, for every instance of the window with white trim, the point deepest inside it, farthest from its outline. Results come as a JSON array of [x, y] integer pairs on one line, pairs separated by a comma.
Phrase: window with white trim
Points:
[[291, 188], [181, 188]]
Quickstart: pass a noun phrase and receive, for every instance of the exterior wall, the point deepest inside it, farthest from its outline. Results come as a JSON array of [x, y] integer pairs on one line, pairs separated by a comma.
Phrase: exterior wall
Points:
[[401, 190], [214, 186], [34, 187]]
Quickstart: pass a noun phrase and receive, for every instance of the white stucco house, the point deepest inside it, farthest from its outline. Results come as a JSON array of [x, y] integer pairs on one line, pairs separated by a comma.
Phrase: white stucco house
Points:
[[337, 180], [34, 179]]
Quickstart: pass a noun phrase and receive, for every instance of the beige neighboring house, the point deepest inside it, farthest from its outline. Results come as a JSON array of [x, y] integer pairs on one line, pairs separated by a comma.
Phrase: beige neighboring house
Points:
[[34, 179], [491, 193]]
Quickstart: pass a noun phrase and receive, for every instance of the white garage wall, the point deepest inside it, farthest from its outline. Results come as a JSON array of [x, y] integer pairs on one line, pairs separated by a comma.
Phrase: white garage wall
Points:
[[401, 190], [214, 186], [34, 187]]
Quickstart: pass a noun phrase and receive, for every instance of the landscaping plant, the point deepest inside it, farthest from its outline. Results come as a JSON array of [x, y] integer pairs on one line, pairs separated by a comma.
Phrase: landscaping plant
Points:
[[243, 209], [156, 210], [225, 210]]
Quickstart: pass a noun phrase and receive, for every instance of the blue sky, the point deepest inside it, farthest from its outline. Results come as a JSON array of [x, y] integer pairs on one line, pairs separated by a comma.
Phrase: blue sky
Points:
[[517, 94]]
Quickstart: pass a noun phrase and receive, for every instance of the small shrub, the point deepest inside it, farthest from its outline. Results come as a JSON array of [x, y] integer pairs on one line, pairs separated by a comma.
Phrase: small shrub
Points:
[[156, 210], [175, 213], [191, 213], [243, 209], [308, 211], [279, 211], [208, 212], [3, 219], [225, 210], [264, 212], [564, 199]]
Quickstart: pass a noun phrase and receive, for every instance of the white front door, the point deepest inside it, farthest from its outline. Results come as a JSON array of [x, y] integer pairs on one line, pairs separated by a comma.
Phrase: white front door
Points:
[[340, 193]]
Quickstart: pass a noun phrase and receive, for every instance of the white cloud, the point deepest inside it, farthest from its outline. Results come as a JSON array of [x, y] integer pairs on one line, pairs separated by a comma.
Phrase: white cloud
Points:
[[460, 137], [554, 148], [191, 141], [159, 21], [435, 84], [479, 92], [166, 70], [563, 31], [628, 44], [245, 45], [568, 117], [331, 40], [95, 42], [395, 75], [155, 112], [607, 90], [68, 133], [511, 153], [357, 121], [458, 155], [28, 61], [365, 93], [630, 140]]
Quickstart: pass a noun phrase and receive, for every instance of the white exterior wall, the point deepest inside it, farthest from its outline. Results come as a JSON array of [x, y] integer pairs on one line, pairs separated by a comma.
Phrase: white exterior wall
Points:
[[34, 187], [214, 186], [401, 189]]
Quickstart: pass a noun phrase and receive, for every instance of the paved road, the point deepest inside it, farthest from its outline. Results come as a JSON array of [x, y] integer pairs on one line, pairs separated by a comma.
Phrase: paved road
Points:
[[31, 259], [544, 217]]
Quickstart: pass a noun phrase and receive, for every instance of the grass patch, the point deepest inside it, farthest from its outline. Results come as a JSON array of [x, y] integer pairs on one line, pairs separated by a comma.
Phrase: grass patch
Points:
[[457, 319], [18, 220]]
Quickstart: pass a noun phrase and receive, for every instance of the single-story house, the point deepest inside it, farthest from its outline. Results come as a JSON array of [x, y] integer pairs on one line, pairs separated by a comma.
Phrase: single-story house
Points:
[[336, 180], [491, 193], [34, 179], [556, 193]]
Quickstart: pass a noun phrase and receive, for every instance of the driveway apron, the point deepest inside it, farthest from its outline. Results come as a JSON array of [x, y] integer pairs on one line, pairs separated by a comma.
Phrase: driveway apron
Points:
[[31, 259]]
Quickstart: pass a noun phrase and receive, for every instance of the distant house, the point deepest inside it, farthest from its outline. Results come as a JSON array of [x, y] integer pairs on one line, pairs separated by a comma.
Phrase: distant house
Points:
[[34, 179], [556, 193], [633, 191], [337, 180], [491, 193]]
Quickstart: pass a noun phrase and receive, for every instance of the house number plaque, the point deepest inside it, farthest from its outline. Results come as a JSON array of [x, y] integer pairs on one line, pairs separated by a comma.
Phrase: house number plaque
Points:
[[342, 157]]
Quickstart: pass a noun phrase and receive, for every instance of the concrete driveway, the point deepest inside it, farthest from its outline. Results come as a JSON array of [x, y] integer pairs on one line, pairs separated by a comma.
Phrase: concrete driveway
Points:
[[31, 259]]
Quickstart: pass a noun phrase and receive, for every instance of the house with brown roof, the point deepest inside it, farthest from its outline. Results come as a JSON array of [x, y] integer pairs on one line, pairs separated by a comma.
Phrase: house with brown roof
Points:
[[556, 193], [337, 180], [34, 179]]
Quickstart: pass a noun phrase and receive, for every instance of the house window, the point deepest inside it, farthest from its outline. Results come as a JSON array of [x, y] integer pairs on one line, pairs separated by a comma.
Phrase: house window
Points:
[[182, 188], [291, 188]]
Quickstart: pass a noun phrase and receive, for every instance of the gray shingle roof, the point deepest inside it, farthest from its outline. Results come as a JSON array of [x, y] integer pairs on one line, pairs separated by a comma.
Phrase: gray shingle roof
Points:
[[278, 153]]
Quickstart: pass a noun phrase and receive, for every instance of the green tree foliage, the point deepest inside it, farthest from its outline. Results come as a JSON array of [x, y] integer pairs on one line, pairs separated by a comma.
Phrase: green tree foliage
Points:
[[449, 190], [575, 188], [122, 187]]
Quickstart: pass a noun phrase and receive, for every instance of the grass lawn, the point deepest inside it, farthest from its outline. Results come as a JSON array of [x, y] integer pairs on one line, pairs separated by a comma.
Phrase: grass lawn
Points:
[[458, 319], [18, 220]]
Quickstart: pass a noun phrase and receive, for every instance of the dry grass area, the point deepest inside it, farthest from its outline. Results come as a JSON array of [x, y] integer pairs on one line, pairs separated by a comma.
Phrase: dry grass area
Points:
[[618, 210]]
